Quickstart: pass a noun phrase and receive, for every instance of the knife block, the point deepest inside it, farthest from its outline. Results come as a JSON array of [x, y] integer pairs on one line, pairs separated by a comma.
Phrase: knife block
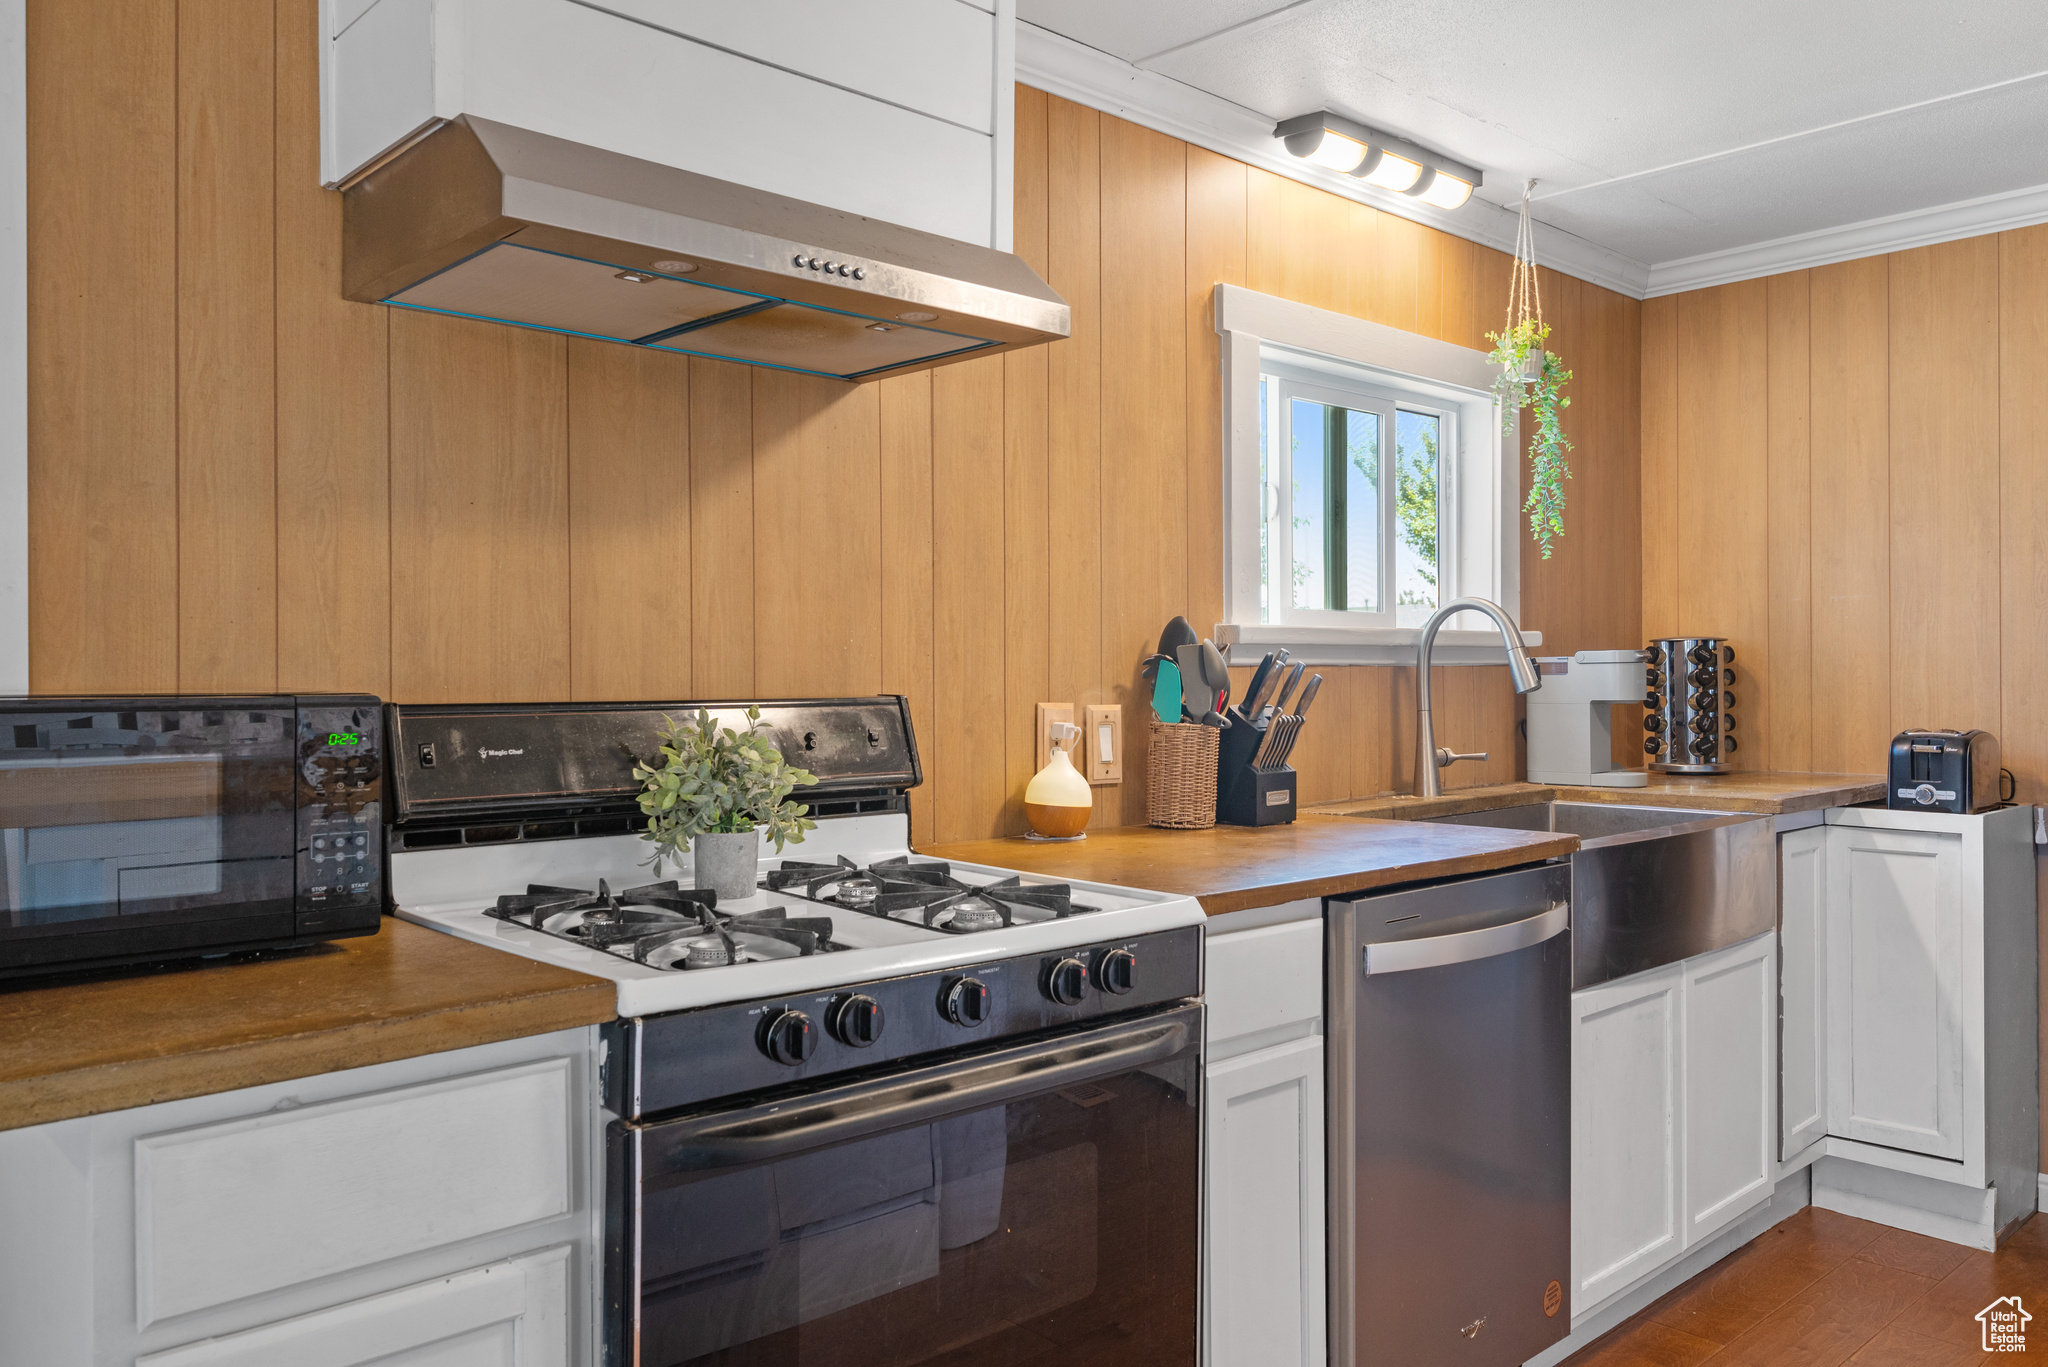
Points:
[[1246, 795]]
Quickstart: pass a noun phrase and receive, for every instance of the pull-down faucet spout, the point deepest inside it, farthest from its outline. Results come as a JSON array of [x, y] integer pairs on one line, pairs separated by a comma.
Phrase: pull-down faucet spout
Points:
[[1429, 759]]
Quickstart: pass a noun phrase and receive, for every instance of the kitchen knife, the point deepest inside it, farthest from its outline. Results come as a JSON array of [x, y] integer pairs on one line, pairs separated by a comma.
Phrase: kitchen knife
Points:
[[1166, 699], [1196, 694], [1308, 695], [1258, 680], [1287, 689], [1255, 702]]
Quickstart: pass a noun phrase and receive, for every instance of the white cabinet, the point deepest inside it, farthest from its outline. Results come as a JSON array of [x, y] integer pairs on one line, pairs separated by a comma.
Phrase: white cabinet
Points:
[[1628, 1061], [1927, 1011], [509, 1314], [1731, 1063], [893, 109], [1263, 1179], [438, 1210], [1802, 950], [1674, 1128], [1896, 979]]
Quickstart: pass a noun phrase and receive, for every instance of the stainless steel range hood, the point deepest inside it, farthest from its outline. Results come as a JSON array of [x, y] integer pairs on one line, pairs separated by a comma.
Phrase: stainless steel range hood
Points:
[[489, 221]]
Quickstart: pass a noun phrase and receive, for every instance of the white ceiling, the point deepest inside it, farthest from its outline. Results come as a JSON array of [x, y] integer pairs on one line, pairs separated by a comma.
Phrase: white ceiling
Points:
[[1658, 131]]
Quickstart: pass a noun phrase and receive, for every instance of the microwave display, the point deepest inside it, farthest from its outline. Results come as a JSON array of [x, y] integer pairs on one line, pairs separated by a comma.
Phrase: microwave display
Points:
[[134, 828]]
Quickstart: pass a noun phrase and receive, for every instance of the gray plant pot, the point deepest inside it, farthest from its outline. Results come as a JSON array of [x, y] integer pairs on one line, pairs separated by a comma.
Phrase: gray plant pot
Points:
[[726, 863]]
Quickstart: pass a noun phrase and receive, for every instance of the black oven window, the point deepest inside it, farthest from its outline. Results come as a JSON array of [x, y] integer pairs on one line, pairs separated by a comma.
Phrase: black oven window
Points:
[[145, 813], [1058, 1229]]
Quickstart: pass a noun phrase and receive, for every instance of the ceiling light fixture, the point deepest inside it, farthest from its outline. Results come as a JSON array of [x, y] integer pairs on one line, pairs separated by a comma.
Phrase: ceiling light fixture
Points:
[[1379, 159]]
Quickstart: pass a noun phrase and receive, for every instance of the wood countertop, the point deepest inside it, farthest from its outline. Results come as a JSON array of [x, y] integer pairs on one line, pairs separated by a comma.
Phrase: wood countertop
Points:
[[86, 1046], [1767, 794], [1234, 868]]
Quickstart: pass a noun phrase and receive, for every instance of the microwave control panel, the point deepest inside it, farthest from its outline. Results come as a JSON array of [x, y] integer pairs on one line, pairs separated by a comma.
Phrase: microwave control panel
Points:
[[341, 807]]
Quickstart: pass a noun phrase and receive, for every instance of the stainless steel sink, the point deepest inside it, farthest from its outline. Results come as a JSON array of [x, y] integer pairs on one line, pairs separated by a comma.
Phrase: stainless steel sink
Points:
[[1653, 885]]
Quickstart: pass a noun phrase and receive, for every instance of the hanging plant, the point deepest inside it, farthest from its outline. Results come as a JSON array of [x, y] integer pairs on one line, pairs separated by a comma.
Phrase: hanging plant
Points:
[[1534, 378]]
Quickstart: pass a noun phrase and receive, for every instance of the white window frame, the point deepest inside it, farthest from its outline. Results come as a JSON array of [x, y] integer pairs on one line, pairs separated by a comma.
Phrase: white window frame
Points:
[[1480, 481]]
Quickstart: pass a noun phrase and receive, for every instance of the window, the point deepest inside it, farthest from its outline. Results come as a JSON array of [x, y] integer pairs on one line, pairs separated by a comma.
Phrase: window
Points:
[[1367, 481], [1352, 524]]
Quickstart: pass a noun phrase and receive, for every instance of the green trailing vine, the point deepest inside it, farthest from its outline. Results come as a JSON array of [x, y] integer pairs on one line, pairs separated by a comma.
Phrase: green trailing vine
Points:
[[1543, 392]]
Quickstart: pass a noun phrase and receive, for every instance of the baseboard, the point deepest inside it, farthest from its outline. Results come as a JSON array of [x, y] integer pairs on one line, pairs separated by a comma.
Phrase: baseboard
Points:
[[1787, 1199], [2042, 1203], [1903, 1200]]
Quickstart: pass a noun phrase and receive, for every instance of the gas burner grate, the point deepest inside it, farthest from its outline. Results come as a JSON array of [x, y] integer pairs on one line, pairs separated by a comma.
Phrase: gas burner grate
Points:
[[665, 925], [925, 892]]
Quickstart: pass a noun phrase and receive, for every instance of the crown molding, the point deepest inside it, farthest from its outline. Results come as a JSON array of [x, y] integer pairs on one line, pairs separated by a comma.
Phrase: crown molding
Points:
[[1074, 71], [1872, 237]]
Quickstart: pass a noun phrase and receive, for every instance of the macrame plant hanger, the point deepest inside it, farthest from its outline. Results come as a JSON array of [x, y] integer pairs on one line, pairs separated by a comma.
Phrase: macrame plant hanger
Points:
[[1525, 290], [1531, 379]]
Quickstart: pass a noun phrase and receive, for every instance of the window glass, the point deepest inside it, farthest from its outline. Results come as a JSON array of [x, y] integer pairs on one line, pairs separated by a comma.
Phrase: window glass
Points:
[[1335, 506], [1418, 443]]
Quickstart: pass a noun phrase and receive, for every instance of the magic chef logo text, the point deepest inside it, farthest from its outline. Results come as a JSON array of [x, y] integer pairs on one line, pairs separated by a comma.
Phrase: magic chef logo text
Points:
[[2005, 1325], [497, 754]]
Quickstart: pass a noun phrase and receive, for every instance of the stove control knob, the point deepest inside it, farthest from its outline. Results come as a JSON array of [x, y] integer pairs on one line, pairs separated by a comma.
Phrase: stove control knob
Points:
[[858, 1021], [1116, 971], [790, 1038], [1066, 981], [966, 1002]]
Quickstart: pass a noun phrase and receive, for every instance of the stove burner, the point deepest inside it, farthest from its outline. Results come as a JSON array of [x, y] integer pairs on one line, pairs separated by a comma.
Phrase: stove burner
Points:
[[925, 892], [665, 925]]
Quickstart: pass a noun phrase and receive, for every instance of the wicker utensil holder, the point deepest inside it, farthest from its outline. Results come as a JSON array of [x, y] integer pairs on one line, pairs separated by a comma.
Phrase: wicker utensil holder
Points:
[[1180, 776]]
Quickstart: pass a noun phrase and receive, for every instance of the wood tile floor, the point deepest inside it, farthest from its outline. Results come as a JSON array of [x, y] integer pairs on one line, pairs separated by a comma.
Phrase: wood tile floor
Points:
[[1820, 1289]]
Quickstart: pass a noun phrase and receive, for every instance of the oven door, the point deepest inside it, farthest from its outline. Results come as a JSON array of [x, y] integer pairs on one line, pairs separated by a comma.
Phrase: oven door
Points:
[[1033, 1202]]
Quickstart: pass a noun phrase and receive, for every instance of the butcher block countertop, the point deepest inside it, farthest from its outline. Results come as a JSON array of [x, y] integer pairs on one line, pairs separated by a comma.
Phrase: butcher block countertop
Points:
[[1233, 868], [1767, 794], [89, 1045]]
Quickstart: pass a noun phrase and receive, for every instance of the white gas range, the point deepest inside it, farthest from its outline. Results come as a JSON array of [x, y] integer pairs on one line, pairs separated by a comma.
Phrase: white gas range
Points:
[[459, 890], [885, 1109]]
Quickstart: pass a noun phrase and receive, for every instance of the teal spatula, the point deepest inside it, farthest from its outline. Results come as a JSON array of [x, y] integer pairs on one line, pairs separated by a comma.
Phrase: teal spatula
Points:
[[1166, 693]]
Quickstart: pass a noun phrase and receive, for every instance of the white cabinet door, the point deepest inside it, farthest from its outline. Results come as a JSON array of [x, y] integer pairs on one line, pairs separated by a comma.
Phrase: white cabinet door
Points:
[[1731, 1058], [509, 1314], [1627, 1108], [1265, 1217], [1895, 988], [1802, 936]]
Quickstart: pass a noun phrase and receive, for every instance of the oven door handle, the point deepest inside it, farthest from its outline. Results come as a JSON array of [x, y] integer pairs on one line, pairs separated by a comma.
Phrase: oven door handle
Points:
[[752, 1134]]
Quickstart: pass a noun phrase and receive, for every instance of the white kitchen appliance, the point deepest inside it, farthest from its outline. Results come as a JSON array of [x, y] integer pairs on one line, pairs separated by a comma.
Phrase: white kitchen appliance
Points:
[[1571, 724], [930, 1108]]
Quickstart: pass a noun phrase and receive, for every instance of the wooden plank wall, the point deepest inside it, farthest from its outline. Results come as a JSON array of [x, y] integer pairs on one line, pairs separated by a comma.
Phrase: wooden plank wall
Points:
[[241, 481], [1842, 472]]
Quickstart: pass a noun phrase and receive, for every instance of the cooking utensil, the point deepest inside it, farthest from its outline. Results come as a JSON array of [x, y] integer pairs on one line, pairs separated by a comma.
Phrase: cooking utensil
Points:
[[1257, 706], [1177, 634], [1196, 694], [1166, 695], [1287, 738]]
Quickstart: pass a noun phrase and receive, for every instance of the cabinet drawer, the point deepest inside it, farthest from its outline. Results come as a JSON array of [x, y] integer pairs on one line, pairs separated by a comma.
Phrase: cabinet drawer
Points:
[[509, 1314], [1260, 979], [249, 1206]]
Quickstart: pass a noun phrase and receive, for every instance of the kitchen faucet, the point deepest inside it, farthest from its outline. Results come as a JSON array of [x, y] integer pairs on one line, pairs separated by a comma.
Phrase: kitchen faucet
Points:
[[1429, 759]]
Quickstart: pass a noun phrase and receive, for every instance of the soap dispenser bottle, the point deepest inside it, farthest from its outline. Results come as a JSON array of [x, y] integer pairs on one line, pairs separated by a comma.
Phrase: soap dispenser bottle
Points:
[[1058, 800]]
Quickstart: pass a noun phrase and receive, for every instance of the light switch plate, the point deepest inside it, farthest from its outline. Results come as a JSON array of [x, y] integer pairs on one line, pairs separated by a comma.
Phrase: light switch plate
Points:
[[1104, 731], [1048, 713]]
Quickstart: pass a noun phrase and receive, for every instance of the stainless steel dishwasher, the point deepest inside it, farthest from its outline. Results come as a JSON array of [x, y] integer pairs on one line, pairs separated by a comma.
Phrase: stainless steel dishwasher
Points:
[[1450, 1121]]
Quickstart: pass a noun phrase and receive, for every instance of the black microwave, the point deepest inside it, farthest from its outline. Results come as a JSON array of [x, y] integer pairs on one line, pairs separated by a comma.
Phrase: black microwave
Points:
[[143, 828]]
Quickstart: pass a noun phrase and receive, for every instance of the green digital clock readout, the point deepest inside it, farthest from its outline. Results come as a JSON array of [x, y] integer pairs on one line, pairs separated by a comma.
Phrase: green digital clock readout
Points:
[[343, 738]]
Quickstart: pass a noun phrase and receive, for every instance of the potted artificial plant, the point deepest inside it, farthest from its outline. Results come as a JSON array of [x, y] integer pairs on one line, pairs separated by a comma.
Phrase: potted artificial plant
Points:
[[1533, 378], [721, 791]]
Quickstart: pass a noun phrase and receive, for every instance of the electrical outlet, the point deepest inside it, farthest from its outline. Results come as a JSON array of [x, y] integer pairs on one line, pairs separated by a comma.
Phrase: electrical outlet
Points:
[[1102, 745], [1048, 713]]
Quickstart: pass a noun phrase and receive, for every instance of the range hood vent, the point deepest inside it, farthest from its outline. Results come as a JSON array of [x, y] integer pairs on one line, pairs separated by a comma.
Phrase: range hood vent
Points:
[[489, 221]]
